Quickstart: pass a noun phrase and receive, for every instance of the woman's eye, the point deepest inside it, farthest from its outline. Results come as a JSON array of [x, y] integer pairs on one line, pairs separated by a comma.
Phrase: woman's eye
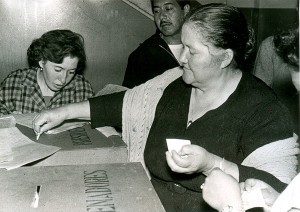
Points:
[[57, 69], [71, 72]]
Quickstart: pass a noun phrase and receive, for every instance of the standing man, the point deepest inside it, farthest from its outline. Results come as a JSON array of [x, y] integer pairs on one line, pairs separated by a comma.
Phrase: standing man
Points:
[[161, 51]]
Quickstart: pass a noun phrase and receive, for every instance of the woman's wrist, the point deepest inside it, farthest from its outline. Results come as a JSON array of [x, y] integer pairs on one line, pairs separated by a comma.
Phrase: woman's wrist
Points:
[[79, 110], [217, 162], [226, 166]]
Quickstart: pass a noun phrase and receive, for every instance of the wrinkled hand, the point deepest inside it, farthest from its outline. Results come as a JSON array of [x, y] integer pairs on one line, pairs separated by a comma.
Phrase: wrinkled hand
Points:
[[220, 190], [268, 192], [48, 119], [190, 159]]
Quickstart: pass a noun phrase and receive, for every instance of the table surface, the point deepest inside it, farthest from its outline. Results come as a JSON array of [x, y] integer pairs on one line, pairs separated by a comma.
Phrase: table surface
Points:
[[78, 188]]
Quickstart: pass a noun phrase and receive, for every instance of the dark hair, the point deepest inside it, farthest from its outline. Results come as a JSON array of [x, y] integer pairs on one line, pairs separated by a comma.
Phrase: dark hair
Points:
[[181, 3], [54, 46], [225, 27], [287, 46]]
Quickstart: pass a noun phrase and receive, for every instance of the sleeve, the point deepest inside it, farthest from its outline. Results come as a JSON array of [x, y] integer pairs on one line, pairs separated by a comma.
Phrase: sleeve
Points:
[[263, 67], [107, 110], [9, 88], [268, 123], [131, 73], [3, 107]]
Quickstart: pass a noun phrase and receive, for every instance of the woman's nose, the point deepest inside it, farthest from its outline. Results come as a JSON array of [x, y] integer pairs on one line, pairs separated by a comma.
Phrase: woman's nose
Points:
[[183, 57], [63, 77]]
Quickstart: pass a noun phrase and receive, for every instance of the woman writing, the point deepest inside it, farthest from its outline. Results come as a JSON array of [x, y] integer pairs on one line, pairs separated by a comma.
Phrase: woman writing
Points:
[[54, 78], [225, 112]]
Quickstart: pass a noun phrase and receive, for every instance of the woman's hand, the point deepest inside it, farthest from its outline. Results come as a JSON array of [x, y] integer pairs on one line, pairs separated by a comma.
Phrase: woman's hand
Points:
[[190, 159], [220, 190], [48, 119], [268, 192]]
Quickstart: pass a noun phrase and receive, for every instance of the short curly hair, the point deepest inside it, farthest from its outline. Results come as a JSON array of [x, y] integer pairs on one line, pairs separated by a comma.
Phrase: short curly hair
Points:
[[287, 46], [54, 46]]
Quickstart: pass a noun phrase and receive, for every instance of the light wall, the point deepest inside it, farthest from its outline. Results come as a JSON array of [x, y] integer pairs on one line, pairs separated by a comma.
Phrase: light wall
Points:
[[111, 28]]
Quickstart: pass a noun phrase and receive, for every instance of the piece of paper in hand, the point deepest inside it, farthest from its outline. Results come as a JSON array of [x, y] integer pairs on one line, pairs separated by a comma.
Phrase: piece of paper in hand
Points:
[[176, 144], [253, 199]]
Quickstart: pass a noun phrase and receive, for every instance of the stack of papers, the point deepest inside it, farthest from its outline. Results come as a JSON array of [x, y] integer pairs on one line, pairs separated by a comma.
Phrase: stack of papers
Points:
[[5, 152], [17, 150]]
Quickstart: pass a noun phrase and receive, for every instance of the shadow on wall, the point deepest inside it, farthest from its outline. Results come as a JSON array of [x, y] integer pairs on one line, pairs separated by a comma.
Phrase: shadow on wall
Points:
[[105, 25]]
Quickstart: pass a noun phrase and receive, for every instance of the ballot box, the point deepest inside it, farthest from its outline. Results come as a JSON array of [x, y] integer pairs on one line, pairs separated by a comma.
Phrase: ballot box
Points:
[[122, 187], [81, 145]]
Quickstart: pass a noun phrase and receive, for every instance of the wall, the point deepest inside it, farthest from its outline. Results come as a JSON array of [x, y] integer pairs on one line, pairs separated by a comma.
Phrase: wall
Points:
[[111, 28]]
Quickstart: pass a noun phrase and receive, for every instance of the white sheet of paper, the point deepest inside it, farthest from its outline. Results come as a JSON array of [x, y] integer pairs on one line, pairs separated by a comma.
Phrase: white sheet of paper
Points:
[[253, 199], [108, 131], [7, 121], [111, 88], [25, 119], [176, 144], [23, 149]]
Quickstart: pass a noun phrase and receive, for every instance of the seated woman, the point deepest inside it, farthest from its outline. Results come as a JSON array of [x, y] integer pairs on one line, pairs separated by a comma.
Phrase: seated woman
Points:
[[277, 63], [56, 62], [227, 112]]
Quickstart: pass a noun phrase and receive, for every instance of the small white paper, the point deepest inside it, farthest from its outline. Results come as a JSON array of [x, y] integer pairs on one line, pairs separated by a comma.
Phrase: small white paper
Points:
[[253, 199], [176, 144]]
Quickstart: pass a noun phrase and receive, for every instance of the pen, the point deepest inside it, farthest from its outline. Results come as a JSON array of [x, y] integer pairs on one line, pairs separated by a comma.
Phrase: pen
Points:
[[35, 202], [38, 136]]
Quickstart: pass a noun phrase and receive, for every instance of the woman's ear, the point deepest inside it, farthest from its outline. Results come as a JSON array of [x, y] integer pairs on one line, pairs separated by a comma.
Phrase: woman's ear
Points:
[[228, 57], [41, 63], [186, 9]]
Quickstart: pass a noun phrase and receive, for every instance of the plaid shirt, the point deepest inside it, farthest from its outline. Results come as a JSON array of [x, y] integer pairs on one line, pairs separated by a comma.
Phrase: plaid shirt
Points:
[[20, 93]]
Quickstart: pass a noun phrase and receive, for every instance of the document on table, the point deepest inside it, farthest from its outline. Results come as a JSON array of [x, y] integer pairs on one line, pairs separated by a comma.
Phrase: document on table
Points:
[[108, 131], [22, 149], [26, 120], [5, 152]]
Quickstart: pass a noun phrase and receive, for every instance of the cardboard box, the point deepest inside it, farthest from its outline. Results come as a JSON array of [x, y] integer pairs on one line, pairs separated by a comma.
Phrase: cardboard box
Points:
[[81, 145], [122, 187]]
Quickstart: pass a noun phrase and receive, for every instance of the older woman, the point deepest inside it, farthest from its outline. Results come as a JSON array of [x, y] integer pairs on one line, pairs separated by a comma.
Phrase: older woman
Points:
[[225, 113], [54, 78]]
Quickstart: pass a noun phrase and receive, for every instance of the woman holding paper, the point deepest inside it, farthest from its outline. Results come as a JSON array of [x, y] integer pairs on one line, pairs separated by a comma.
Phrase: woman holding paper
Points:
[[54, 77], [225, 113]]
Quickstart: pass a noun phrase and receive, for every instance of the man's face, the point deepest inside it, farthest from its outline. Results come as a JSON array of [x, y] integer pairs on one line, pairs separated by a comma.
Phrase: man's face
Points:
[[168, 16]]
